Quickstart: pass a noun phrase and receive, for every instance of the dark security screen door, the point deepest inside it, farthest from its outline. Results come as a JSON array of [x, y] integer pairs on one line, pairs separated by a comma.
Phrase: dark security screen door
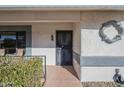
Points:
[[64, 47]]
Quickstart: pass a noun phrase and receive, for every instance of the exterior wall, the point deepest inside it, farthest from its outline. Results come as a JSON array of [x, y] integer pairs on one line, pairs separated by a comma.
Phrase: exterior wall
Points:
[[93, 59], [39, 16], [40, 42], [99, 59], [92, 44], [76, 38], [76, 47], [41, 39], [95, 74]]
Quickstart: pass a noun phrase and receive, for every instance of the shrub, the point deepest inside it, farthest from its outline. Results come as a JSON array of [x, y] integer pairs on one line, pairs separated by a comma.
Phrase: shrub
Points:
[[20, 72]]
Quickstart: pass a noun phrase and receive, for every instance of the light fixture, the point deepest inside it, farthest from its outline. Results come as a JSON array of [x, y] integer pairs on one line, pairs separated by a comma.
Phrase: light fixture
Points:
[[52, 38]]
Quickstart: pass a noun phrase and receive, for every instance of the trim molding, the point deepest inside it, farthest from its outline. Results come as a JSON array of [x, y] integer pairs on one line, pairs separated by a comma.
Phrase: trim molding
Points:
[[107, 61]]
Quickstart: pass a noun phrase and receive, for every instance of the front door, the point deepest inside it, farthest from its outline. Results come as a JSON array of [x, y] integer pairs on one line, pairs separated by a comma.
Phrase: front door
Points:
[[64, 47]]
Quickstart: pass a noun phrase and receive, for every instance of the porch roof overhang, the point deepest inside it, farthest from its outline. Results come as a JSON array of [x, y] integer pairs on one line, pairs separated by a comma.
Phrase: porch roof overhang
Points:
[[61, 8], [49, 13]]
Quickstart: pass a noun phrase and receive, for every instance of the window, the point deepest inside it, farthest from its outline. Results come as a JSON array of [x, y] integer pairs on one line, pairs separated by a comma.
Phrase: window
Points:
[[21, 39], [12, 40]]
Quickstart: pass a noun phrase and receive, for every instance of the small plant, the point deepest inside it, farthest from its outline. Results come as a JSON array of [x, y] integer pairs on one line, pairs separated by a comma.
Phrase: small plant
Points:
[[20, 72]]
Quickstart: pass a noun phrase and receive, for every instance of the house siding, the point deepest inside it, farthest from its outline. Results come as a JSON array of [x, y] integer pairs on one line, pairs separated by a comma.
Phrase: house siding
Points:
[[98, 59], [41, 39], [93, 59], [76, 47]]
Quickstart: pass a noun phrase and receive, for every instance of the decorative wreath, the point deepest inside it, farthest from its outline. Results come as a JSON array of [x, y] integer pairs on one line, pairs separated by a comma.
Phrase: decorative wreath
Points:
[[117, 27]]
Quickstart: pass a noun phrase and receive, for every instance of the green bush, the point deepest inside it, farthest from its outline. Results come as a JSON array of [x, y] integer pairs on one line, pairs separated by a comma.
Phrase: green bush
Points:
[[20, 72]]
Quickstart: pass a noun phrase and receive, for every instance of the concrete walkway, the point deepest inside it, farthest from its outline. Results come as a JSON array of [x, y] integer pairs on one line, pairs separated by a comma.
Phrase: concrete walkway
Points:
[[58, 76]]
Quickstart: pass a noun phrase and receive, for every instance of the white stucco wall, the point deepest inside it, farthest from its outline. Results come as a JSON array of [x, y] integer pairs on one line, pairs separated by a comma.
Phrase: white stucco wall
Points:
[[77, 38], [91, 42], [77, 68], [41, 39], [76, 47], [97, 74], [92, 46]]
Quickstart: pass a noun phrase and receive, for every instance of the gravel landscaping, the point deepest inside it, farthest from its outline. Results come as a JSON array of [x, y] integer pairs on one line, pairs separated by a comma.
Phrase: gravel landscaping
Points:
[[99, 84]]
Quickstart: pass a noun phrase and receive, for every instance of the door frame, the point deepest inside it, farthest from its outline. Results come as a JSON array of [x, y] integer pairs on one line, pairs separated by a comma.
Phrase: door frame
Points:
[[56, 42]]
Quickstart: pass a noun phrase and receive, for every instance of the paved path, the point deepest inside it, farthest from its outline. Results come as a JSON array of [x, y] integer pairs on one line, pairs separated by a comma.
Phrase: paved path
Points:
[[58, 76]]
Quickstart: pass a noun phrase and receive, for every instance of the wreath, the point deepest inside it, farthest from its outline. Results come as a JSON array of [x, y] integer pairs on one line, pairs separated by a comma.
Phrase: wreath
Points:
[[116, 26]]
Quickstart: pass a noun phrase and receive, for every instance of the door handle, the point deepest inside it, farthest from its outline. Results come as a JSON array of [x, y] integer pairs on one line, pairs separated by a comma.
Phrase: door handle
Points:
[[62, 46]]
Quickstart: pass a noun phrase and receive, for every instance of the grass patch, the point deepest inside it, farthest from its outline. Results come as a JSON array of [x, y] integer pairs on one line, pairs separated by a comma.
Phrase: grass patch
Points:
[[20, 72]]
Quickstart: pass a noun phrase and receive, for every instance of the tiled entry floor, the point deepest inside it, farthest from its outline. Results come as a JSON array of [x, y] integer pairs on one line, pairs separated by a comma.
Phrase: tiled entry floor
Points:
[[61, 76]]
